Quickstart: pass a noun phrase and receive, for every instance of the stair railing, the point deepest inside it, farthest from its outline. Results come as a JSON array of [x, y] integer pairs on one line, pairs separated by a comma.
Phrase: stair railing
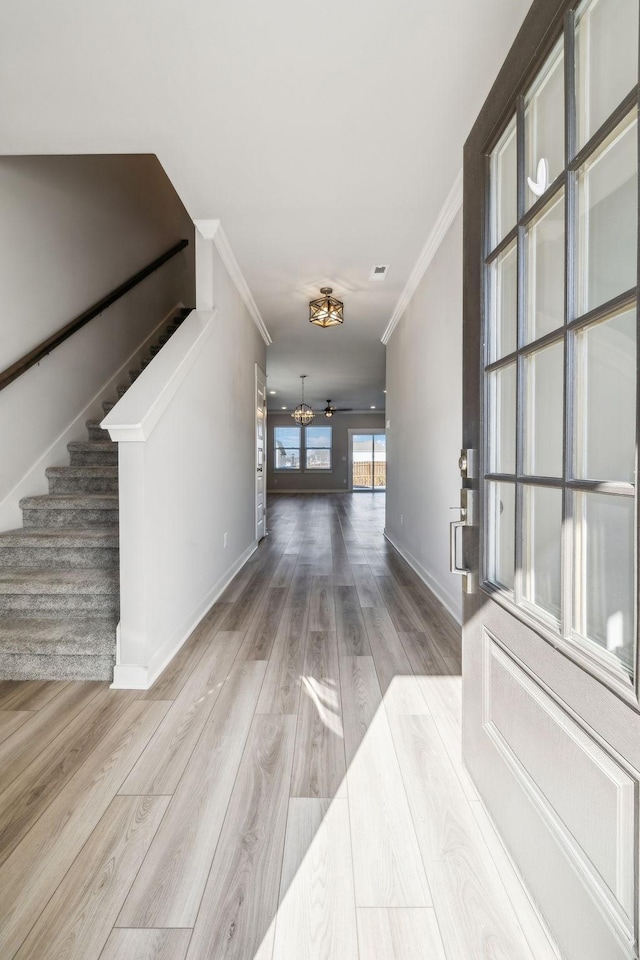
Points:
[[38, 353]]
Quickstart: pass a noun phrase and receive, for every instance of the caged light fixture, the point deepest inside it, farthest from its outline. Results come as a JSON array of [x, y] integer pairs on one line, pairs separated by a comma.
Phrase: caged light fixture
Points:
[[326, 311], [303, 414]]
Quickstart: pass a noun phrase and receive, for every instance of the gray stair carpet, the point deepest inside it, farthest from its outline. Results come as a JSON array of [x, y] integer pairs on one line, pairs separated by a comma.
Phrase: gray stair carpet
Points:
[[59, 572]]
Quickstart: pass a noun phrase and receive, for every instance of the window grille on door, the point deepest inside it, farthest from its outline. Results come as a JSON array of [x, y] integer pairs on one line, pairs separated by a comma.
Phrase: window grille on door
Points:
[[560, 334]]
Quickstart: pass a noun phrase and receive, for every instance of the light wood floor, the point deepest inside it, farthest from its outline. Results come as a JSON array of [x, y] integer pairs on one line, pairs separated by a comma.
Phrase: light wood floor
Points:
[[290, 788]]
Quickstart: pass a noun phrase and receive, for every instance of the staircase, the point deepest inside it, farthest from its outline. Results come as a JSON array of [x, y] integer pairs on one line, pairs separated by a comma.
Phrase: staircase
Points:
[[59, 573]]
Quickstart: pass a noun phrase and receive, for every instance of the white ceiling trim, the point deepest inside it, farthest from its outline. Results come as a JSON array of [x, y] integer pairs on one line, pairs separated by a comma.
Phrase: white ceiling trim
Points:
[[451, 206], [212, 230]]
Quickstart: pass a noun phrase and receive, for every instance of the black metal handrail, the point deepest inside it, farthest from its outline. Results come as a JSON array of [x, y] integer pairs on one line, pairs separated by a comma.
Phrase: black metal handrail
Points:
[[34, 356]]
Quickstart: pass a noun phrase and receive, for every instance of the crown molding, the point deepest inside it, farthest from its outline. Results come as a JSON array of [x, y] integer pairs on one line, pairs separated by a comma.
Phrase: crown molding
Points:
[[212, 230], [450, 208]]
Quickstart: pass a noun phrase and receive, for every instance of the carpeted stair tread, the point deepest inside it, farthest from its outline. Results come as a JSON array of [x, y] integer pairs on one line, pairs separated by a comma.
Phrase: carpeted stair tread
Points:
[[92, 452], [82, 445], [92, 636], [38, 582], [95, 431], [25, 666], [60, 546], [71, 501], [90, 478], [106, 536], [70, 510], [90, 470]]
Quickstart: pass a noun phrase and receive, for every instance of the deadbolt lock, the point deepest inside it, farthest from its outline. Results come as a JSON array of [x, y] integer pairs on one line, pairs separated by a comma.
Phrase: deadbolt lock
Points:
[[467, 463]]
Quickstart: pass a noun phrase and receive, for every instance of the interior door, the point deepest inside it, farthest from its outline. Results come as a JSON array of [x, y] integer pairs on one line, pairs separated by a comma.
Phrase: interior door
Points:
[[261, 452], [551, 715]]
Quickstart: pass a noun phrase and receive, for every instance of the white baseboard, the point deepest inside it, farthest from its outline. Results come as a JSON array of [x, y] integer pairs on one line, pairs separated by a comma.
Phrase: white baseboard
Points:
[[34, 481], [129, 677], [447, 600], [133, 676]]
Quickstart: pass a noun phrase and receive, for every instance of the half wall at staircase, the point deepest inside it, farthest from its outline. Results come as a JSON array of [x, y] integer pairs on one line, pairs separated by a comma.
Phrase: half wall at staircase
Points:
[[186, 434]]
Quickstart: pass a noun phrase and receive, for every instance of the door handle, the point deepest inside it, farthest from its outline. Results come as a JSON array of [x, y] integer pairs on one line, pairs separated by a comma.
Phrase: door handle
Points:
[[470, 582], [454, 526], [467, 510]]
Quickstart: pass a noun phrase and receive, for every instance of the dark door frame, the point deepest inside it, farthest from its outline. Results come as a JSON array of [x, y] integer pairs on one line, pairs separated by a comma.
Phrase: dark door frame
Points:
[[534, 41]]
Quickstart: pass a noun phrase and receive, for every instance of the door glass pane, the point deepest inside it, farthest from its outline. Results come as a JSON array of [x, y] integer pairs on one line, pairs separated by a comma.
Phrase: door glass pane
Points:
[[608, 217], [502, 514], [605, 573], [379, 461], [504, 303], [544, 251], [544, 127], [502, 413], [504, 179], [606, 60], [544, 377], [362, 453], [541, 547], [605, 407]]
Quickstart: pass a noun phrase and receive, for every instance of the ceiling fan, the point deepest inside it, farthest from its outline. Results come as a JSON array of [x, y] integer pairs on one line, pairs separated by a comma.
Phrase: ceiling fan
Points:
[[329, 410]]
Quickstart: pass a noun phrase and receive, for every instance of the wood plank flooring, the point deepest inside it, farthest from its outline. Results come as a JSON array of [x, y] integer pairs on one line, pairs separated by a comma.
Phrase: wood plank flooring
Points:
[[291, 788]]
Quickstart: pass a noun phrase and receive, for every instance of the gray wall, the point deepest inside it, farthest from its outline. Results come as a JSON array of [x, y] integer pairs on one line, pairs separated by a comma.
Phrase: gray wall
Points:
[[72, 229], [338, 479], [424, 406]]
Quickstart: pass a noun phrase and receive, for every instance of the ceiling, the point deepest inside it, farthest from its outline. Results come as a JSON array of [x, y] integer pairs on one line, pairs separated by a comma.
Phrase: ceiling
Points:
[[324, 137]]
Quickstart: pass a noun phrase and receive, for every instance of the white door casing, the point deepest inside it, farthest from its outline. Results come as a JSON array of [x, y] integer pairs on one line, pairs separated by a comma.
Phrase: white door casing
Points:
[[261, 453]]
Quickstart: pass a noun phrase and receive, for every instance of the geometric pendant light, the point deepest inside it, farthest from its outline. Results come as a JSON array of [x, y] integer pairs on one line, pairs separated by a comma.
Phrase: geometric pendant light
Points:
[[303, 414]]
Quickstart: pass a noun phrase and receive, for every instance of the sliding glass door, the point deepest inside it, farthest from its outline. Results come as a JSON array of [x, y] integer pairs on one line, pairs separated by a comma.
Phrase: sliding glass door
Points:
[[368, 460]]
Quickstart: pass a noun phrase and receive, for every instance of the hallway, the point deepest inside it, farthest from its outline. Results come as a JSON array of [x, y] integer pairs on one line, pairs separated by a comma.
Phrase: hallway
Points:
[[291, 787]]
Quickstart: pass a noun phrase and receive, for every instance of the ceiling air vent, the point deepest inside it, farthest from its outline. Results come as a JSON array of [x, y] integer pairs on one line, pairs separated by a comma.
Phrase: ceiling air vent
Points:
[[379, 271]]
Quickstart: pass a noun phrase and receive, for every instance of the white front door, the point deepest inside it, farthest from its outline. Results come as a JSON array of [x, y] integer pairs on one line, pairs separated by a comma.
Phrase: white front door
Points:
[[261, 453], [550, 654]]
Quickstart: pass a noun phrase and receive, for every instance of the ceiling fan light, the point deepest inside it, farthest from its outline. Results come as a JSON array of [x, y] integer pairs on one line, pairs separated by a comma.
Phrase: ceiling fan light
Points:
[[326, 311]]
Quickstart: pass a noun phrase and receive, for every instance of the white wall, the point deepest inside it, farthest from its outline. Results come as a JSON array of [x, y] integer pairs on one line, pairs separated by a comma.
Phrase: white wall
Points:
[[190, 481], [72, 229], [424, 409]]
